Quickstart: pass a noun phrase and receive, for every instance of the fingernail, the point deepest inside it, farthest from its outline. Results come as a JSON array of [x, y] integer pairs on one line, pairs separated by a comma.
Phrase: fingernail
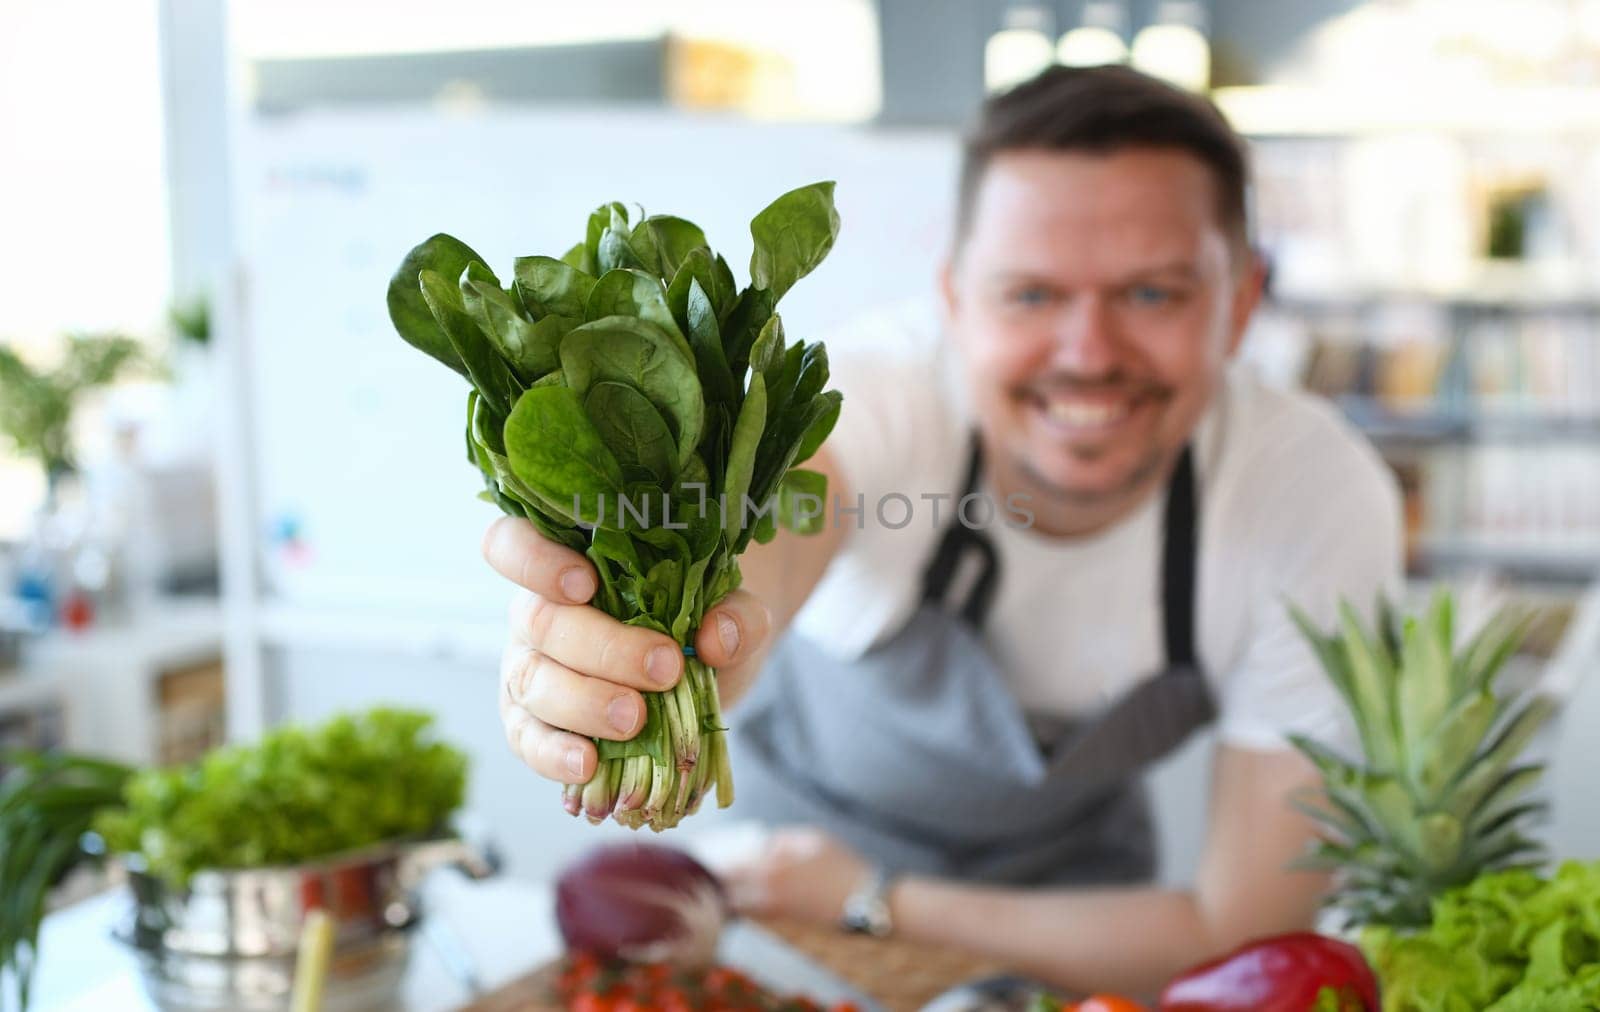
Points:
[[661, 665], [577, 584], [575, 761], [623, 713], [728, 633]]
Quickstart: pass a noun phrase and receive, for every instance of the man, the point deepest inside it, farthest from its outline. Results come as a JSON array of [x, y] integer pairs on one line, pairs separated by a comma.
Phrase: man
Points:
[[957, 709]]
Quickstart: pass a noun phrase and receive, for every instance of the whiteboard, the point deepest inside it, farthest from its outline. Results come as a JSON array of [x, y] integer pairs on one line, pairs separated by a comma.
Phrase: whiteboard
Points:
[[359, 444]]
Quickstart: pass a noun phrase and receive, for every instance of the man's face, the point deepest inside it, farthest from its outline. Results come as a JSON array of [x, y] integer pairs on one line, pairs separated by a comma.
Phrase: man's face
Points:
[[1096, 300]]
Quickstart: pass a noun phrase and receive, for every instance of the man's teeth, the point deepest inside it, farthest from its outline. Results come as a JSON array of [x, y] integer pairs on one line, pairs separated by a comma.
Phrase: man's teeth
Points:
[[1083, 414]]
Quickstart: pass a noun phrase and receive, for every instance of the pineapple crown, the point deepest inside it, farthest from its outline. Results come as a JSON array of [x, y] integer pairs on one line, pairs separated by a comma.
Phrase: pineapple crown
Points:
[[1439, 795]]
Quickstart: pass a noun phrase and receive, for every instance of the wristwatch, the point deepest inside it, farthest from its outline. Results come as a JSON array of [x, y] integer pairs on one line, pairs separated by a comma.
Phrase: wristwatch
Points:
[[866, 909]]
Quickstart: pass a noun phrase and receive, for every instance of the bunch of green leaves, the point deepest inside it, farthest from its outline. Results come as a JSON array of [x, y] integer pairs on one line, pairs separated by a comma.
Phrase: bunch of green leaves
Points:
[[36, 405], [296, 795], [47, 803], [1440, 794], [1509, 941], [633, 403]]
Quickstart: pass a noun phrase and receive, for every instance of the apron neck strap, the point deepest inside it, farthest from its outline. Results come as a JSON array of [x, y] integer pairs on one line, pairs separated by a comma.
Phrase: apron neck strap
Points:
[[959, 542], [1180, 546]]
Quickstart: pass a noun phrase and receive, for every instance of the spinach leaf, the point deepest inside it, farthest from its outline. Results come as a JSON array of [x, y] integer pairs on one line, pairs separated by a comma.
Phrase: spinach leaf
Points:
[[742, 458], [669, 239], [698, 266], [705, 340], [555, 450], [487, 370], [818, 423], [599, 220], [578, 257], [408, 310], [616, 253], [552, 287], [792, 235], [638, 353], [530, 351], [614, 405], [633, 429], [802, 501], [634, 293], [750, 313]]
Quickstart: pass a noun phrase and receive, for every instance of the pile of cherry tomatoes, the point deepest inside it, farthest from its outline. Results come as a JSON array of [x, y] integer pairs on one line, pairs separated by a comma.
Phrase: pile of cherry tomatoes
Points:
[[587, 983]]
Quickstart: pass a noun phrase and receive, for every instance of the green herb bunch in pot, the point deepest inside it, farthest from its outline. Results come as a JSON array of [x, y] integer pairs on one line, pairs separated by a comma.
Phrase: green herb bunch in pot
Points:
[[227, 856], [633, 403]]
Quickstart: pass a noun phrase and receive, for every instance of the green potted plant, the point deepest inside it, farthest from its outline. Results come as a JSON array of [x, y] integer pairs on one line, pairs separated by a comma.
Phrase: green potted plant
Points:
[[37, 405], [228, 855]]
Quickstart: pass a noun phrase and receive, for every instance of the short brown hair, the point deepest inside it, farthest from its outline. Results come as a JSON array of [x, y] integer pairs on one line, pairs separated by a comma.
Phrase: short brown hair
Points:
[[1101, 110]]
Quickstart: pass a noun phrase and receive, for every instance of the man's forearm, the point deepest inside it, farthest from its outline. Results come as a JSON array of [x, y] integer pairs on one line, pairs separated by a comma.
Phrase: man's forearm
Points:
[[1129, 940]]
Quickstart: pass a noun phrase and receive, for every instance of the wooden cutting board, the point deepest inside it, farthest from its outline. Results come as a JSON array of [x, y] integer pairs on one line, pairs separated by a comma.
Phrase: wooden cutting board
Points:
[[899, 975]]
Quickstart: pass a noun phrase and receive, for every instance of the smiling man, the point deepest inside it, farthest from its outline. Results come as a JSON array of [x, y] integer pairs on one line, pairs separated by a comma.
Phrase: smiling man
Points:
[[960, 709]]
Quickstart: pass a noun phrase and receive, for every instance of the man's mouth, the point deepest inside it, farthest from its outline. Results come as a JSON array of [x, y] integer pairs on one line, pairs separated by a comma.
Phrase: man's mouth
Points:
[[1079, 416]]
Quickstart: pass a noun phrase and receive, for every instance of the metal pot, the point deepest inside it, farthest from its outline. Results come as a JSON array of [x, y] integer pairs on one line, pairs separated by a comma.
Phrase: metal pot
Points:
[[227, 942]]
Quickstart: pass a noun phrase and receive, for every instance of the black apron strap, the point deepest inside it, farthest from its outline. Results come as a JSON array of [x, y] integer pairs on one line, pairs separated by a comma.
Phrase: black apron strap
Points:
[[1180, 548], [959, 542]]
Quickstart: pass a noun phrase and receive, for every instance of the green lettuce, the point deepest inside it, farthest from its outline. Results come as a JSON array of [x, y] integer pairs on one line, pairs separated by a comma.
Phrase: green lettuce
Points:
[[1509, 941], [298, 794]]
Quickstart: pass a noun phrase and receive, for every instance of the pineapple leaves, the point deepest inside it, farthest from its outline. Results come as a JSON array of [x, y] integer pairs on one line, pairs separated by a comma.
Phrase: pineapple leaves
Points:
[[1437, 797]]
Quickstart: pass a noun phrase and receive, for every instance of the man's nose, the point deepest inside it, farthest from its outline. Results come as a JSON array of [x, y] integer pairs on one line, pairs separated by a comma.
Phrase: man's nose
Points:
[[1086, 341]]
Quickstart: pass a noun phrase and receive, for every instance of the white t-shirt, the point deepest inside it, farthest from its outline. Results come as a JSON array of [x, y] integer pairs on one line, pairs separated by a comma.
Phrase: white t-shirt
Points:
[[1294, 506]]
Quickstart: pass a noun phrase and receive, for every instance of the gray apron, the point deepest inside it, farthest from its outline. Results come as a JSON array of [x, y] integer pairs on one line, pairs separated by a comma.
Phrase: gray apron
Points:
[[918, 755]]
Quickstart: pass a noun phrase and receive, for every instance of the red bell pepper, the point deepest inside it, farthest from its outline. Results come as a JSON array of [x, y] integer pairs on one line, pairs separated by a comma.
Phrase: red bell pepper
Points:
[[1282, 974]]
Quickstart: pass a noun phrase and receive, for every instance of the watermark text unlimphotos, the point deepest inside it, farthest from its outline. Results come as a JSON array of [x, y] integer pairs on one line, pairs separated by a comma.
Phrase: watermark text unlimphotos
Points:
[[892, 510]]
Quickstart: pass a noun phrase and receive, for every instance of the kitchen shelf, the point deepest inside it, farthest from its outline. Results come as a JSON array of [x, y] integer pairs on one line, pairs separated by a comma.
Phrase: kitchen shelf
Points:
[[110, 675], [20, 690], [1535, 564], [1388, 425]]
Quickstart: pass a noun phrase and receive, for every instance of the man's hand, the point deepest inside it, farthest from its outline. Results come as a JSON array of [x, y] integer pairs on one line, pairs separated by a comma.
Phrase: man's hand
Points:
[[803, 874], [571, 672]]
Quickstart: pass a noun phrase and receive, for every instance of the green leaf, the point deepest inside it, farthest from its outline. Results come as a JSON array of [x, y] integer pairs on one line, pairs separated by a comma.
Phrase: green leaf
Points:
[[629, 350], [634, 293], [1372, 679], [1498, 755], [616, 254], [792, 235], [742, 459], [487, 370], [446, 256], [529, 349], [815, 426], [555, 450], [633, 429], [699, 266], [802, 499], [1425, 660], [577, 256], [750, 313], [669, 240], [706, 341], [552, 287], [1451, 744], [600, 220]]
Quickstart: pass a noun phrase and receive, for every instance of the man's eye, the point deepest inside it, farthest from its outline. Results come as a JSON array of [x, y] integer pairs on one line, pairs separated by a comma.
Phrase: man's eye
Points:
[[1150, 295], [1033, 295]]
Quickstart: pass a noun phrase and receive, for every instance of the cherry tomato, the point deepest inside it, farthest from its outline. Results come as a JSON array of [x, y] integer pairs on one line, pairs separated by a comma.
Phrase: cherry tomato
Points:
[[588, 1001], [1108, 1003]]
